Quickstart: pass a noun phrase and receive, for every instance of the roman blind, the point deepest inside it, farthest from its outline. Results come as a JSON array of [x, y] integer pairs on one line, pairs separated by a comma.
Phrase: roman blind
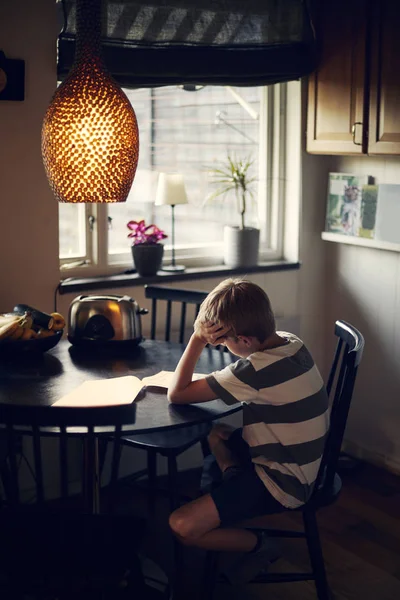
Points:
[[199, 42]]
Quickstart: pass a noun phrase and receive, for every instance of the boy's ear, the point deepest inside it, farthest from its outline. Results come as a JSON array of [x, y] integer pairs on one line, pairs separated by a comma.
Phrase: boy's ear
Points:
[[245, 339]]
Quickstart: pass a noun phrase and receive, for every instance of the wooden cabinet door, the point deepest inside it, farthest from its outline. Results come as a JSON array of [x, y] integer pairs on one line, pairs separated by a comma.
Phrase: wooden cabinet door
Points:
[[336, 94], [384, 116]]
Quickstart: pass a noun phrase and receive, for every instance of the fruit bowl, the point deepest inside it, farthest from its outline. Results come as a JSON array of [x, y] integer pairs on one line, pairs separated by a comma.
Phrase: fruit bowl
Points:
[[35, 345]]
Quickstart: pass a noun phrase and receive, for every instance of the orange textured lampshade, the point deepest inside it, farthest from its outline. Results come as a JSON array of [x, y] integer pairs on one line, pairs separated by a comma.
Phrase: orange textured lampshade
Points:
[[90, 136]]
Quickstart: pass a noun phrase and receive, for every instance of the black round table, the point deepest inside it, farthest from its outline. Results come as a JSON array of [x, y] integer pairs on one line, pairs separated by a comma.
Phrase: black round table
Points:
[[44, 379], [41, 380]]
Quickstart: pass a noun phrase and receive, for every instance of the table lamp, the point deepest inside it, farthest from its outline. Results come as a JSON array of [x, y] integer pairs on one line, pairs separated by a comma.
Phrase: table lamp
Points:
[[171, 191]]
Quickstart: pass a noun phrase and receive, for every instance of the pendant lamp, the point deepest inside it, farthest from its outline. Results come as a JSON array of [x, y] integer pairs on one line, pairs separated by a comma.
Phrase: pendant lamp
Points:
[[90, 137]]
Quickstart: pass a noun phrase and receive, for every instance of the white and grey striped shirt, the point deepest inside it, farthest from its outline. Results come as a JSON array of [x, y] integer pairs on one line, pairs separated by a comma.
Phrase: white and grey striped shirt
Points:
[[285, 415]]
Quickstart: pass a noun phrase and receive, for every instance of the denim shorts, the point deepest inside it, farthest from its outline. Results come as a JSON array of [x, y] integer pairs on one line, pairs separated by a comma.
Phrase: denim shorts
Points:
[[239, 493]]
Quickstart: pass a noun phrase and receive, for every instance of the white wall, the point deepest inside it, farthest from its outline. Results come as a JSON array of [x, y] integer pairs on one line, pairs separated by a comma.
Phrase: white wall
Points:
[[364, 288], [29, 235]]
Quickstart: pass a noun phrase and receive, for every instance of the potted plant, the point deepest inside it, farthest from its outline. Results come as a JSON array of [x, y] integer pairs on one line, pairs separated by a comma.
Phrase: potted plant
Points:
[[241, 243], [147, 252]]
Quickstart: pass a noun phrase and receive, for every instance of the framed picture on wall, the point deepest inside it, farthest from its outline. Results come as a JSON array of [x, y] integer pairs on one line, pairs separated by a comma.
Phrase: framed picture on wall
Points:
[[351, 205]]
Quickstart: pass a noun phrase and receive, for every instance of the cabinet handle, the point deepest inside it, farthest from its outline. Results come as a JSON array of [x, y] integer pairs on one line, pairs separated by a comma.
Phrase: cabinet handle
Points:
[[353, 131]]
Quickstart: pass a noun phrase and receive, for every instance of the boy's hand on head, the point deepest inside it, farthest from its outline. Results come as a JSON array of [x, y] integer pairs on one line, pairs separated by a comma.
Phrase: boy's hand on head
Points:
[[210, 333]]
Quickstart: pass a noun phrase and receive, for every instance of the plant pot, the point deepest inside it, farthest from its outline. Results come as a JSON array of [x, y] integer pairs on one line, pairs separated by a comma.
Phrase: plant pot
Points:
[[147, 258], [241, 246]]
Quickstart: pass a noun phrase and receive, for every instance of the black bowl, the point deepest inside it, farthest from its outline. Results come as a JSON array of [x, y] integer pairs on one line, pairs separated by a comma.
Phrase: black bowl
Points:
[[35, 345]]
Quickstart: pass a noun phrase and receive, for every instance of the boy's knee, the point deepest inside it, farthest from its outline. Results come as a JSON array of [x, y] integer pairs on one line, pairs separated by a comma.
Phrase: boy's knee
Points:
[[213, 437], [182, 527], [219, 432]]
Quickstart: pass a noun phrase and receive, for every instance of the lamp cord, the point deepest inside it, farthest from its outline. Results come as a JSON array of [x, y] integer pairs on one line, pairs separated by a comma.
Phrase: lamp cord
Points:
[[55, 295]]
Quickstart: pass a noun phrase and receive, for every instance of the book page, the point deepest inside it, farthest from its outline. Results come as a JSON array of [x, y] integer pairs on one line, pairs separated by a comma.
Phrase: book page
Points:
[[117, 390], [103, 392], [163, 379], [197, 376]]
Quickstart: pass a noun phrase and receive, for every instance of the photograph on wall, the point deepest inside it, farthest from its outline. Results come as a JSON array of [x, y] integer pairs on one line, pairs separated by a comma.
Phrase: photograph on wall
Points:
[[343, 213]]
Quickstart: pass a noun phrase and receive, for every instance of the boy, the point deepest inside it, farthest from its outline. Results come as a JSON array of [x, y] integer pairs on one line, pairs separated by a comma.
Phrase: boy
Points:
[[271, 464]]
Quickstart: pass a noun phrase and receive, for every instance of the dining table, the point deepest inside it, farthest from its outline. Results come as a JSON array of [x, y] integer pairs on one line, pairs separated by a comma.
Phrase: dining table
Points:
[[41, 380]]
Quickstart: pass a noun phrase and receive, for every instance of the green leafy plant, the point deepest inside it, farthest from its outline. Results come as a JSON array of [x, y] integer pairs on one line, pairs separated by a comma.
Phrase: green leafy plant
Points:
[[233, 175]]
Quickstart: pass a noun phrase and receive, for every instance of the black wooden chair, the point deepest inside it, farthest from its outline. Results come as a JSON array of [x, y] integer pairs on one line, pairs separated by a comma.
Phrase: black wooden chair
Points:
[[57, 548], [328, 484], [169, 444]]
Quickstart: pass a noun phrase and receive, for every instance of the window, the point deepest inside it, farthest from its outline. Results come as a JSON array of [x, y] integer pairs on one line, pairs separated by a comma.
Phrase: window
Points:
[[187, 132]]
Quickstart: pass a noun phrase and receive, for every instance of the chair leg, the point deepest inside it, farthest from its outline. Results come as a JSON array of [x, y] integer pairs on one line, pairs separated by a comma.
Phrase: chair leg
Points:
[[152, 479], [103, 444], [173, 504], [210, 573], [316, 557], [205, 448], [172, 483]]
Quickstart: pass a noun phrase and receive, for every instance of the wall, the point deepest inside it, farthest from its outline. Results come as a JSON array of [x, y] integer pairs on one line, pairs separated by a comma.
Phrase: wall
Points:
[[364, 288], [29, 240], [29, 236]]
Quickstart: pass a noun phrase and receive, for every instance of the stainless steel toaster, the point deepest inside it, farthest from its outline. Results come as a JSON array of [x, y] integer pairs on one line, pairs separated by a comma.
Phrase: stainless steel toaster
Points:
[[105, 320]]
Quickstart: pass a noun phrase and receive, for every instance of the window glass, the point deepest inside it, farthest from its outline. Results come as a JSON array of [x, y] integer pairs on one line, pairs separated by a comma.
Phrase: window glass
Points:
[[72, 228], [188, 132]]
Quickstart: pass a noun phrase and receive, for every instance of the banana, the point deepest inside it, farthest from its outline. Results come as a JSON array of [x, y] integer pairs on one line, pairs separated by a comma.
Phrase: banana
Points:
[[17, 334], [9, 328], [27, 334], [58, 321], [5, 319], [27, 322]]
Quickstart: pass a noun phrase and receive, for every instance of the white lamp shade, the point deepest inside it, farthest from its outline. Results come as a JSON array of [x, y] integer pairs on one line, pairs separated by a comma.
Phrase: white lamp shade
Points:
[[171, 189]]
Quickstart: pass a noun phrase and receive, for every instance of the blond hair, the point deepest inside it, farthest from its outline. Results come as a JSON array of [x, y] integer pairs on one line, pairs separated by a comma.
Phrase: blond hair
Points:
[[241, 305]]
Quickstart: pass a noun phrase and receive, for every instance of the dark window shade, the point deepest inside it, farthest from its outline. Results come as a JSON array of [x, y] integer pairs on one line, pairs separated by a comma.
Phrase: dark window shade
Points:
[[199, 42]]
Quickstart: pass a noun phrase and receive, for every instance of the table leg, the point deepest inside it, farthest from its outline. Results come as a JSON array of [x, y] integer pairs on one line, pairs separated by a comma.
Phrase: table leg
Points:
[[91, 474]]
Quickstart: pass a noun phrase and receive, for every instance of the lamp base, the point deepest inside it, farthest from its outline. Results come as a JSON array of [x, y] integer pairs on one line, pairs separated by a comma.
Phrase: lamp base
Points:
[[173, 268]]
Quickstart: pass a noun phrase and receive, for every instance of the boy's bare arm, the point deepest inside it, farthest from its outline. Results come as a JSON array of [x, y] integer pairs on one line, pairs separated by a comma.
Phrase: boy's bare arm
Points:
[[182, 389]]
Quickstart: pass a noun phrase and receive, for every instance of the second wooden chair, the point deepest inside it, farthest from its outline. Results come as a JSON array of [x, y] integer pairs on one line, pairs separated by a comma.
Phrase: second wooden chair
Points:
[[169, 444]]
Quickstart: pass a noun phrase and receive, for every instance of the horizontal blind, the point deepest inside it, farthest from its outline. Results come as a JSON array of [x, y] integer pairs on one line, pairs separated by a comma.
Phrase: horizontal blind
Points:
[[220, 42]]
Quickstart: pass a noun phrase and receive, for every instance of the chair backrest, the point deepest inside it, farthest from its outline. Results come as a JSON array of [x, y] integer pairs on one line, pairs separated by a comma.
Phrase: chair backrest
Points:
[[180, 297], [340, 386], [35, 423]]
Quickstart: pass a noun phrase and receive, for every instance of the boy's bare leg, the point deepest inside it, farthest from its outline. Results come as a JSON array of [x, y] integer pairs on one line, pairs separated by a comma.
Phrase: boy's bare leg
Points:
[[216, 440], [197, 524]]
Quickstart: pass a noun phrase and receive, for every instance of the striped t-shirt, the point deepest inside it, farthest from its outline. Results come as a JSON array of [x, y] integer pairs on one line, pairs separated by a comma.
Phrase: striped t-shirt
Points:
[[285, 415]]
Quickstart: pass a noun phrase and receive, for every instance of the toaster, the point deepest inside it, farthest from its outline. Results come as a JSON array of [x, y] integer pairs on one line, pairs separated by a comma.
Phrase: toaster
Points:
[[105, 320]]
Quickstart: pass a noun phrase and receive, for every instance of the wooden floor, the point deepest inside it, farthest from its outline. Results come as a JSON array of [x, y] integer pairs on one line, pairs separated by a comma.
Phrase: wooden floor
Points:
[[360, 536]]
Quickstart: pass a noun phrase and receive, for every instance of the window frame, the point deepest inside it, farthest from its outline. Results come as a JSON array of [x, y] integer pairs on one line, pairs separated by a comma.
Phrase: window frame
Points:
[[270, 202]]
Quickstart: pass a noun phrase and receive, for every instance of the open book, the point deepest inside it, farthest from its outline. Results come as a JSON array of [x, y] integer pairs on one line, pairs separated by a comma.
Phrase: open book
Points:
[[117, 390]]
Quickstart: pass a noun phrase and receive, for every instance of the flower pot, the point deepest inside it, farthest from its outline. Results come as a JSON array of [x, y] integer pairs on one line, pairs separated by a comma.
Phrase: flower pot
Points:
[[241, 246], [147, 258]]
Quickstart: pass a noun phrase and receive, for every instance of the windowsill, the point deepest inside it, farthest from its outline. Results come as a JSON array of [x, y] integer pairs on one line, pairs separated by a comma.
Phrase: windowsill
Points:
[[131, 278], [359, 241]]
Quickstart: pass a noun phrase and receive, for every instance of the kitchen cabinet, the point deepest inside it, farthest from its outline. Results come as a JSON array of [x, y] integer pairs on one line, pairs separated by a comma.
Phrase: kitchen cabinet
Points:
[[384, 97], [354, 95]]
